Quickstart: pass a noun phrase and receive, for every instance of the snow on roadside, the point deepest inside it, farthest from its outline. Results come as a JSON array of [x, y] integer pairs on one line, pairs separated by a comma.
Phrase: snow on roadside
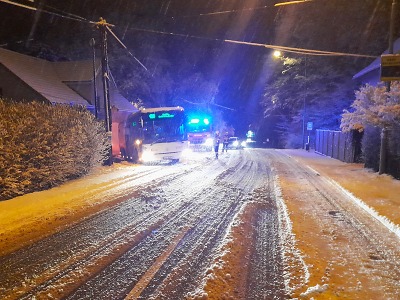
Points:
[[376, 194], [314, 290], [38, 214], [382, 219]]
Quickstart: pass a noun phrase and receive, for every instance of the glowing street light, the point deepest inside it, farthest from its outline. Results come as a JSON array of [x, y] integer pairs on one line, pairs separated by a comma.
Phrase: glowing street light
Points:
[[291, 2], [277, 53]]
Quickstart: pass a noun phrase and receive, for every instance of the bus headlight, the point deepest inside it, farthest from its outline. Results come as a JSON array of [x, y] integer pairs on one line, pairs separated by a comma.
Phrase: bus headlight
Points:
[[187, 152], [209, 142], [147, 156], [138, 142]]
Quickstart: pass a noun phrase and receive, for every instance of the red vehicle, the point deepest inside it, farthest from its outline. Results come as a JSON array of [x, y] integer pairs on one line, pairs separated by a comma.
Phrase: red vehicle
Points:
[[199, 131]]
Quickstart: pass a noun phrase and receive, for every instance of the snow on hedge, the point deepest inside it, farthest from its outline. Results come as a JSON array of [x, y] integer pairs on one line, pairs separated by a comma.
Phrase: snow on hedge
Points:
[[43, 146]]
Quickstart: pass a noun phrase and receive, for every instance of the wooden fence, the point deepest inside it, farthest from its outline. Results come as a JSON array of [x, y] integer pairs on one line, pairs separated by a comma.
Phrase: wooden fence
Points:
[[339, 145]]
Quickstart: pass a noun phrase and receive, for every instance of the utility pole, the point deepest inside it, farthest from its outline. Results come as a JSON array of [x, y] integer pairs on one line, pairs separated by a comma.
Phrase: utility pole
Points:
[[102, 25], [92, 44], [383, 148], [304, 104]]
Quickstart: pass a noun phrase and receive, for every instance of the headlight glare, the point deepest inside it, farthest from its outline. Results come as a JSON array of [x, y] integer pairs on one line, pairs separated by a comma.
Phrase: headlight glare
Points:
[[147, 156], [209, 142]]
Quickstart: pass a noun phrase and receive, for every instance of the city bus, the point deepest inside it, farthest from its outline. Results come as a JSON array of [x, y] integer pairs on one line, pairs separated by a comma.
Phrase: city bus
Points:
[[154, 134]]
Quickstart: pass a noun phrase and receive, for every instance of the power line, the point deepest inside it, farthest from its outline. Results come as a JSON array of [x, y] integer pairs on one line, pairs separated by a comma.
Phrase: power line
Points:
[[209, 103], [226, 11], [303, 51], [68, 14], [123, 45], [242, 9], [61, 15], [77, 18], [19, 4]]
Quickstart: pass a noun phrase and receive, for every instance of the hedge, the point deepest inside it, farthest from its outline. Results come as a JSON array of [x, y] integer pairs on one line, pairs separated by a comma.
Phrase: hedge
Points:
[[42, 146]]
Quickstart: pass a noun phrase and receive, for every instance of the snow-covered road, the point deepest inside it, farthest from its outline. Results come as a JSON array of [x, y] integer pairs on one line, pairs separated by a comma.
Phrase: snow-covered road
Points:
[[209, 229], [159, 239]]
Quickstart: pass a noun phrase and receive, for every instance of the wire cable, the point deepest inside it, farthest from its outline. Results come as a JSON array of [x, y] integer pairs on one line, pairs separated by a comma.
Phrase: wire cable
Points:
[[225, 12], [19, 4], [63, 15], [209, 103], [123, 45], [241, 10], [302, 51]]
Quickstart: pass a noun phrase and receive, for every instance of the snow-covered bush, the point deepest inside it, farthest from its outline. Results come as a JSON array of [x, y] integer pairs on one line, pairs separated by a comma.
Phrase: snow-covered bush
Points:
[[42, 146], [376, 108], [373, 106]]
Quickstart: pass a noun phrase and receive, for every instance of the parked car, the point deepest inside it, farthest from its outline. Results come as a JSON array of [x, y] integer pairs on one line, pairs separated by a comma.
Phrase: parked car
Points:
[[235, 143]]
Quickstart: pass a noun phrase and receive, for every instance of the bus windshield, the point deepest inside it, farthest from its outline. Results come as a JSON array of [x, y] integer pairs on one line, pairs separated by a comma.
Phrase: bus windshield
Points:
[[163, 126]]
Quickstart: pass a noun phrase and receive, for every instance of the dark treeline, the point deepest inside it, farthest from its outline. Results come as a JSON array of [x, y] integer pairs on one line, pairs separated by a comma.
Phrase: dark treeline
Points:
[[193, 64]]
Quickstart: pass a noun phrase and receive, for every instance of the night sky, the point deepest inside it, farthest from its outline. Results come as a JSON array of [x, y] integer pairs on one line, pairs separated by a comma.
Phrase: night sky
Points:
[[189, 36]]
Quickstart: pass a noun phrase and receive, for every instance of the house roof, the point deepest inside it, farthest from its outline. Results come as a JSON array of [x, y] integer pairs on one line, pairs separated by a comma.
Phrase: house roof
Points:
[[376, 64], [41, 76], [75, 70], [119, 101], [49, 78]]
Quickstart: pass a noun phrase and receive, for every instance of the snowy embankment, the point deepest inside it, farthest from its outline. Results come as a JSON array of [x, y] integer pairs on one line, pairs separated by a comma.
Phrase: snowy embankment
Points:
[[346, 223]]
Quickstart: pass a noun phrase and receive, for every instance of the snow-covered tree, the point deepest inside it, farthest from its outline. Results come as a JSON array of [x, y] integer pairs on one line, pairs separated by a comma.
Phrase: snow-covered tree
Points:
[[373, 106], [373, 109]]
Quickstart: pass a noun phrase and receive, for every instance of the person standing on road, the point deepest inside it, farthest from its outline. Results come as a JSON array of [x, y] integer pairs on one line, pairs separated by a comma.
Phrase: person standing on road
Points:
[[216, 144], [225, 143]]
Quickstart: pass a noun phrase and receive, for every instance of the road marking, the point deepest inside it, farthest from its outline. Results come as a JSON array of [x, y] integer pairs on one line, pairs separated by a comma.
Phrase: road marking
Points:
[[148, 276]]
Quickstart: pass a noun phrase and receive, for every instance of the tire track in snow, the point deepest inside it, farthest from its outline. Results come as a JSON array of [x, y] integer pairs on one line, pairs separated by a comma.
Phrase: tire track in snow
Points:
[[132, 265], [104, 256], [184, 269], [130, 274], [265, 274], [146, 278], [41, 264]]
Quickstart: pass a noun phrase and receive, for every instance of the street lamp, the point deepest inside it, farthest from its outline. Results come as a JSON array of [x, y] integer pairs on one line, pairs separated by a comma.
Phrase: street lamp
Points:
[[277, 53], [304, 108], [291, 2]]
